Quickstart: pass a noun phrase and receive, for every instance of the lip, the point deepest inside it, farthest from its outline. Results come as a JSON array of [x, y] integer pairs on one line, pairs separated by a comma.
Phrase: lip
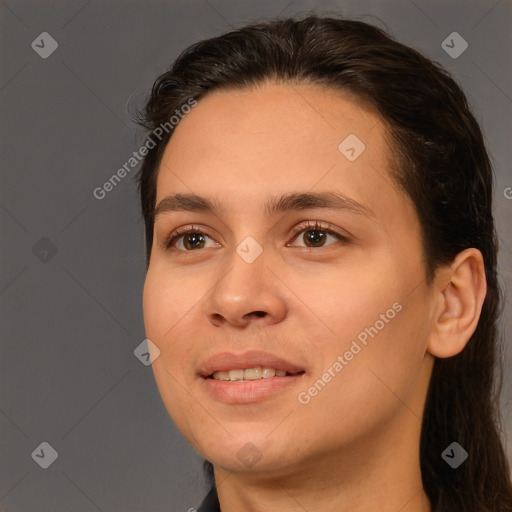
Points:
[[225, 361], [245, 392]]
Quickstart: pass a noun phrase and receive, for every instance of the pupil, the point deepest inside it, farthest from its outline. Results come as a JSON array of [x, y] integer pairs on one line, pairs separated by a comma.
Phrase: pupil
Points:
[[316, 236], [195, 237]]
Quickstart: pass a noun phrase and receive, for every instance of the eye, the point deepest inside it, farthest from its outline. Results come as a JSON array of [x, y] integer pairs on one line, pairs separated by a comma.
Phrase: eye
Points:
[[190, 238], [316, 234], [187, 239]]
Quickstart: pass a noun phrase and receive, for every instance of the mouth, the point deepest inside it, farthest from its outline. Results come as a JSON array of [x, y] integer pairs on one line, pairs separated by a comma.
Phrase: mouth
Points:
[[248, 377], [251, 374]]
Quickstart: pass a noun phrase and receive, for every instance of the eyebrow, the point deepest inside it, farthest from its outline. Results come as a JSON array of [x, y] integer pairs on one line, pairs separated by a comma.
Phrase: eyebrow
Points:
[[292, 201]]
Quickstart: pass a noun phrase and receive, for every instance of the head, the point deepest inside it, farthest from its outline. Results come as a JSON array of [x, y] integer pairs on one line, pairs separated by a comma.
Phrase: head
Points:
[[348, 213]]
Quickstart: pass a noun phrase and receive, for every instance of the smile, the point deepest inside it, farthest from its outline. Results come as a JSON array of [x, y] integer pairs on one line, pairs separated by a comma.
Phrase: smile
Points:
[[249, 374]]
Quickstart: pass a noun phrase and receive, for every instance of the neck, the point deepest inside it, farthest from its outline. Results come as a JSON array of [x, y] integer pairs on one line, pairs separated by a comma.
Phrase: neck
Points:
[[379, 474]]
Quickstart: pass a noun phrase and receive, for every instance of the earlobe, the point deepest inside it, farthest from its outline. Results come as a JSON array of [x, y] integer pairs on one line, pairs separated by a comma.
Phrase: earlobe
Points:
[[461, 289]]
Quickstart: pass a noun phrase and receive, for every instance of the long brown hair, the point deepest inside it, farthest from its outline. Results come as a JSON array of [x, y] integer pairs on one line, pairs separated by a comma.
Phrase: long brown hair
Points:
[[443, 166]]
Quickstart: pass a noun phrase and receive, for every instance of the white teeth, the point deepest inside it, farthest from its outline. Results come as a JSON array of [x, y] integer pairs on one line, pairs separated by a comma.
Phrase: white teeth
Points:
[[236, 374], [221, 375], [249, 374], [253, 373], [268, 373]]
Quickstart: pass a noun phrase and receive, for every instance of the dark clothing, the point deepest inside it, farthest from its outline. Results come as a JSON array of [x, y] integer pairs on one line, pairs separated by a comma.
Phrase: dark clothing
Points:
[[210, 503]]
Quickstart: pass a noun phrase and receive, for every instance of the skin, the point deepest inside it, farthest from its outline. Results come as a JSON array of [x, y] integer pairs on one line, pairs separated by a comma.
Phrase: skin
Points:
[[355, 445]]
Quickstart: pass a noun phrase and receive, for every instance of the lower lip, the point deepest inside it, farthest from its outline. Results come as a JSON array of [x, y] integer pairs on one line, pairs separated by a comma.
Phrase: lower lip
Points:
[[244, 392]]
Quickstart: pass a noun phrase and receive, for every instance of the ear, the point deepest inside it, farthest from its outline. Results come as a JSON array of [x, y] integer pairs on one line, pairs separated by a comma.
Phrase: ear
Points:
[[459, 293]]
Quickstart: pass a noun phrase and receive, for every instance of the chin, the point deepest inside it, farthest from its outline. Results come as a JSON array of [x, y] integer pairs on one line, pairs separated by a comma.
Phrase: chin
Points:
[[245, 453], [249, 459]]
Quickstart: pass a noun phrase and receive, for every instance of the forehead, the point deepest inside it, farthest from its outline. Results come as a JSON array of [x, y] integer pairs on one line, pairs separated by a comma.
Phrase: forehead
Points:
[[242, 145]]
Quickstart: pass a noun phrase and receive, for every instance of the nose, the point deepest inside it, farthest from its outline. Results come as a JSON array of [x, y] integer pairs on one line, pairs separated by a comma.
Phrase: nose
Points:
[[246, 293]]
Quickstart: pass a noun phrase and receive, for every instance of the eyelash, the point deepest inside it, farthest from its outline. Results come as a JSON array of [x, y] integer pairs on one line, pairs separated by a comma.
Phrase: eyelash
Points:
[[305, 226]]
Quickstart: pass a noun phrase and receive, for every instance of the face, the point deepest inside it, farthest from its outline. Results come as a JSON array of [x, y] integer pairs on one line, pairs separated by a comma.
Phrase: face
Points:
[[304, 278]]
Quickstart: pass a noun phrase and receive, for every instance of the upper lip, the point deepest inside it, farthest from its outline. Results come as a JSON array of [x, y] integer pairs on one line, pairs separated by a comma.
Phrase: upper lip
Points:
[[225, 361]]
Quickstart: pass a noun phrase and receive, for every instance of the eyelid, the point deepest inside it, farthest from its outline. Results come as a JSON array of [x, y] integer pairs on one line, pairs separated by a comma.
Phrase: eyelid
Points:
[[323, 226], [183, 230], [302, 226]]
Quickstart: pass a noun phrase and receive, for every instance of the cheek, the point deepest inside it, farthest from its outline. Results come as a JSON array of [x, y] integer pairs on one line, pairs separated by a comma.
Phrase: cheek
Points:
[[374, 384], [156, 303], [348, 298], [164, 313], [380, 330], [165, 307]]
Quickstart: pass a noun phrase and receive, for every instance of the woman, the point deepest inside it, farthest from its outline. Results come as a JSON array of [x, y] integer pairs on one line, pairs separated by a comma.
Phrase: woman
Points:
[[321, 278]]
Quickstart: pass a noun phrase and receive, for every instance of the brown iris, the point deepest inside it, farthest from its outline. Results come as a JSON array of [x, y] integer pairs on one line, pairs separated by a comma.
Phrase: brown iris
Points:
[[314, 236], [197, 240]]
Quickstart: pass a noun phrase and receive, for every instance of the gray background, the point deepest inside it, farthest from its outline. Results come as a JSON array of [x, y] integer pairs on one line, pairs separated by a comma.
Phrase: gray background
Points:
[[71, 319]]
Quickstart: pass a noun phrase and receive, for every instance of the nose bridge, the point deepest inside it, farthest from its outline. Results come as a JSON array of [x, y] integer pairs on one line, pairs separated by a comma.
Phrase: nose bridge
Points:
[[246, 289]]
